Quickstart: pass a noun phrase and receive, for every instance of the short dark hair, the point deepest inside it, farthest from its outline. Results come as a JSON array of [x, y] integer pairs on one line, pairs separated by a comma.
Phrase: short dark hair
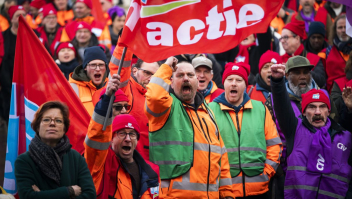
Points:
[[47, 106], [139, 63]]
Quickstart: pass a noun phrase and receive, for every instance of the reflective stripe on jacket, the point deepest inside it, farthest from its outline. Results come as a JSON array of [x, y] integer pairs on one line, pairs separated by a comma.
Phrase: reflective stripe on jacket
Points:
[[111, 179], [301, 183], [136, 95], [207, 177], [86, 92], [253, 145]]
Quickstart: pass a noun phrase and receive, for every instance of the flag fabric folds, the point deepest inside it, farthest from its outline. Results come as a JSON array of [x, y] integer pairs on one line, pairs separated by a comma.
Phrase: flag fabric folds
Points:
[[36, 80], [157, 29], [348, 4]]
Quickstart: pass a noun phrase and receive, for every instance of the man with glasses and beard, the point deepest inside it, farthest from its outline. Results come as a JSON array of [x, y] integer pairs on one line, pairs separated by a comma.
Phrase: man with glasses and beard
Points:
[[133, 83]]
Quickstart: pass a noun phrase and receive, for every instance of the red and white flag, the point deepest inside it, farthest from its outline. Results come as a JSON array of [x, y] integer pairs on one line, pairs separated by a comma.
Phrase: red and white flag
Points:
[[157, 29]]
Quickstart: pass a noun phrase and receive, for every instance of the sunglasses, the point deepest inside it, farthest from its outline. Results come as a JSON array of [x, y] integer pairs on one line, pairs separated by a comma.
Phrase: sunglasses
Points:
[[119, 107]]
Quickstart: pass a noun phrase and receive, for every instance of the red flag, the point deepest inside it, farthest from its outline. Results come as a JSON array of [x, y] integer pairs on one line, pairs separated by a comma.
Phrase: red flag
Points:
[[156, 29], [37, 79], [97, 12]]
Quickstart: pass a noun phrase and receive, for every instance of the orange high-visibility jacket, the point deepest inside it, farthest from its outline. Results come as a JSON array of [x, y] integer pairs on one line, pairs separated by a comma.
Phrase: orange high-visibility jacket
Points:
[[136, 95], [209, 176], [87, 92], [256, 185], [111, 178], [4, 24]]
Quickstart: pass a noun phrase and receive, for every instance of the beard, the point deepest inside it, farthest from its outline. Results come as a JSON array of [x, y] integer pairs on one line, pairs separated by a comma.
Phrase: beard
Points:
[[299, 91]]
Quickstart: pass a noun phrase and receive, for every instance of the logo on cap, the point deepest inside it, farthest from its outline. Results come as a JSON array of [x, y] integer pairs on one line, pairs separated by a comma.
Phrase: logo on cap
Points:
[[129, 125], [70, 45], [235, 67], [273, 60], [80, 26], [316, 96], [51, 12], [20, 7]]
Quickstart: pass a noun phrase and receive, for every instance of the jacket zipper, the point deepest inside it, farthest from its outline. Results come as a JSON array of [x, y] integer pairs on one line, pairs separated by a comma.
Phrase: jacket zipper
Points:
[[201, 126], [318, 186], [239, 156]]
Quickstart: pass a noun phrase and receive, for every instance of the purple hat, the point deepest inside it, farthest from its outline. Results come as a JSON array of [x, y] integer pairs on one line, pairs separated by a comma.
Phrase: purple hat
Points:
[[116, 10]]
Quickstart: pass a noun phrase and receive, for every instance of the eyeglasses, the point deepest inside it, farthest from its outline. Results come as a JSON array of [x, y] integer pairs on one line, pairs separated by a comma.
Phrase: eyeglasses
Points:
[[119, 107], [285, 38], [122, 135], [56, 121], [146, 72], [94, 66]]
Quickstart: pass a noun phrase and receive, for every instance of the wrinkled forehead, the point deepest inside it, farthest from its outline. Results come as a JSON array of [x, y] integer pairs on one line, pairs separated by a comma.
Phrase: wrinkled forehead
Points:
[[184, 67]]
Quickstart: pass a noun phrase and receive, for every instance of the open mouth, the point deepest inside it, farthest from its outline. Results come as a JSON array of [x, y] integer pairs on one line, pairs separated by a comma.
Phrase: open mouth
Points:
[[268, 78], [126, 149], [302, 85], [66, 57], [186, 89], [202, 81], [97, 76], [233, 92]]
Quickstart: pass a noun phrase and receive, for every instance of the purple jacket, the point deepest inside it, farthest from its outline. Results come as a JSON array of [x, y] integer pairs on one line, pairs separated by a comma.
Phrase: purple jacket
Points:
[[301, 183]]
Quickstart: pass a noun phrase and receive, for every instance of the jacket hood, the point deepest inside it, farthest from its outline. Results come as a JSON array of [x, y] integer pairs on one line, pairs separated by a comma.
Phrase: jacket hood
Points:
[[221, 99], [79, 74]]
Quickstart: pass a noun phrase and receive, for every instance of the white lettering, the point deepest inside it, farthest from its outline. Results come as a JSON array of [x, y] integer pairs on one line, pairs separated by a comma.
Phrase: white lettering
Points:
[[231, 22], [184, 31], [341, 146], [257, 15], [165, 33], [134, 17], [213, 20], [320, 164]]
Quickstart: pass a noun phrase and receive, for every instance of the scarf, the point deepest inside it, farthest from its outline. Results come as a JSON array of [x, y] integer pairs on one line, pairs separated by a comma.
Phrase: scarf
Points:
[[261, 83], [344, 46], [319, 157], [207, 90], [68, 67], [307, 20], [48, 159]]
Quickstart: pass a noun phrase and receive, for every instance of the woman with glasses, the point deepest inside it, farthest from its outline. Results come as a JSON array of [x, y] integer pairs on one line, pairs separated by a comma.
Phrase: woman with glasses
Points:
[[50, 169]]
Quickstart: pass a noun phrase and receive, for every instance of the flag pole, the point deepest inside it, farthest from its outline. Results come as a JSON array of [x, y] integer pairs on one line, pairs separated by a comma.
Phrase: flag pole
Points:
[[112, 97]]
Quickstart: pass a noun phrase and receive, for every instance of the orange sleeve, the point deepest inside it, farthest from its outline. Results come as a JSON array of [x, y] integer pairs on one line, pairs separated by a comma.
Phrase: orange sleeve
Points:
[[105, 38], [273, 145], [158, 100], [96, 145], [126, 68]]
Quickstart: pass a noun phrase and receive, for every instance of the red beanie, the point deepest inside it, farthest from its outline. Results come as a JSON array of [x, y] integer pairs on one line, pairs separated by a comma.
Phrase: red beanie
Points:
[[297, 27], [240, 68], [48, 9], [82, 25], [119, 96], [314, 95], [13, 9], [125, 121], [269, 57], [64, 45], [87, 2], [38, 3]]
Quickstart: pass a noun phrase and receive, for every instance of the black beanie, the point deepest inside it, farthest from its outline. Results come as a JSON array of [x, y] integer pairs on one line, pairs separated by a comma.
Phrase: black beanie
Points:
[[316, 27], [93, 53]]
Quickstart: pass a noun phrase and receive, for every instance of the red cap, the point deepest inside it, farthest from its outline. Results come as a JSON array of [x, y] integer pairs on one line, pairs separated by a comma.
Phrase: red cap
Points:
[[297, 27], [64, 45], [38, 3], [87, 2], [314, 95], [125, 121], [13, 9], [82, 25], [119, 96], [269, 57], [48, 9], [240, 68]]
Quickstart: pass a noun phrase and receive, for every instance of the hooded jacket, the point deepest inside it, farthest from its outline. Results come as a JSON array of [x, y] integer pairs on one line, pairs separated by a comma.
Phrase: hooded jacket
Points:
[[86, 91]]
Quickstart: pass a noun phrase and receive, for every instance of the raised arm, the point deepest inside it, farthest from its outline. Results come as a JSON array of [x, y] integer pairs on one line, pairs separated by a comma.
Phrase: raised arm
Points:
[[282, 106], [158, 100], [97, 141]]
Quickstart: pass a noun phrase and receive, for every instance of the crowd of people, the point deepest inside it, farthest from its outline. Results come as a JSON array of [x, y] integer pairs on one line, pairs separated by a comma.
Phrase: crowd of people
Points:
[[270, 118]]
